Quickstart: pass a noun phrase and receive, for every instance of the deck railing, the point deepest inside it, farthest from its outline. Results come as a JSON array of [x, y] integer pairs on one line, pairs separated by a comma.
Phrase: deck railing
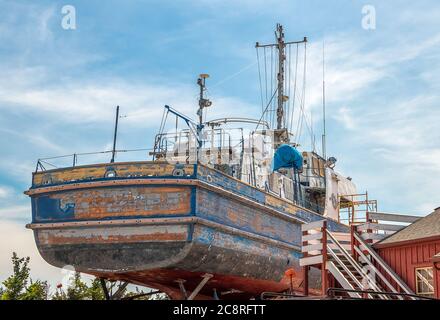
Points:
[[381, 225], [84, 158]]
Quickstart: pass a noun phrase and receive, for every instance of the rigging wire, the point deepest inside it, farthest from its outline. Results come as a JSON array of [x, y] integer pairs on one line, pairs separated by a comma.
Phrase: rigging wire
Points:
[[284, 92], [259, 121], [259, 78], [297, 118], [265, 76], [286, 118], [302, 118], [324, 134], [271, 83], [294, 89], [275, 85], [303, 114]]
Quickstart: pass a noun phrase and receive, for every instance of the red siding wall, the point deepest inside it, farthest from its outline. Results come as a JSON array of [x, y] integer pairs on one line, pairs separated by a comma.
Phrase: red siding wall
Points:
[[404, 259]]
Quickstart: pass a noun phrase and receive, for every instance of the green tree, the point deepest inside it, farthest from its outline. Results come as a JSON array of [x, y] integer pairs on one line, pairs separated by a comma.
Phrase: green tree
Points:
[[78, 290], [19, 286], [59, 294], [95, 291], [38, 290], [16, 286]]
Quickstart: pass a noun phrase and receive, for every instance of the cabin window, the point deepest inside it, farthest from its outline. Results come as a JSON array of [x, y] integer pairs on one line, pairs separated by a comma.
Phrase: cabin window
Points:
[[425, 282]]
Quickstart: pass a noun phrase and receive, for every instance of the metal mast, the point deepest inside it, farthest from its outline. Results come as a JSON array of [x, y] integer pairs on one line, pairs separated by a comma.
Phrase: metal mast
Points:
[[115, 135], [324, 134], [279, 34], [203, 103], [281, 134]]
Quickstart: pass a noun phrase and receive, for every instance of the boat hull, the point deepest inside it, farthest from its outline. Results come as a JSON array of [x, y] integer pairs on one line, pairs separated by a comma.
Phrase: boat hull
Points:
[[155, 230]]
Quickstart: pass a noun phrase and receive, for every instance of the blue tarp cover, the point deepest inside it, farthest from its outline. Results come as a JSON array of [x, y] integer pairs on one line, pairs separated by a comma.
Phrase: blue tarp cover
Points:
[[287, 156]]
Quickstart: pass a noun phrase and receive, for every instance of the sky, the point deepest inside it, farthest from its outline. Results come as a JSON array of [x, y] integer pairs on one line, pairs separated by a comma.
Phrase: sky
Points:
[[59, 88]]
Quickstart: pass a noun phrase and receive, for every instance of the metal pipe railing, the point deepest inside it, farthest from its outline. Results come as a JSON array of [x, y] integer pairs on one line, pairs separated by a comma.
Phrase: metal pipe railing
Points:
[[74, 157], [331, 291], [352, 262], [290, 296], [383, 264]]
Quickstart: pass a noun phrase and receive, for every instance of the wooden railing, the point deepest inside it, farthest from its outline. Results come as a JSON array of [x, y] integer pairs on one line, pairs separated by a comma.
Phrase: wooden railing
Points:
[[345, 255], [314, 242], [375, 229], [313, 250], [363, 252]]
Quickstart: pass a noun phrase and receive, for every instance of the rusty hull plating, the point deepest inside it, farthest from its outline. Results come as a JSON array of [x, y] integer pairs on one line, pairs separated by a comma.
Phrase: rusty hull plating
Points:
[[153, 223]]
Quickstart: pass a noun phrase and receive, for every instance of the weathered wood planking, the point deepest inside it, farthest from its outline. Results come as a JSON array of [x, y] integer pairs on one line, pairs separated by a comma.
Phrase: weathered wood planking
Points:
[[237, 255], [226, 182], [98, 171], [392, 217], [213, 206], [311, 260], [115, 235], [113, 202]]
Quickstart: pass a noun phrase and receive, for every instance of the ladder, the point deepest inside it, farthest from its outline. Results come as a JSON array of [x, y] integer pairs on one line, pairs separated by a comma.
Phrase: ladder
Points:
[[351, 262]]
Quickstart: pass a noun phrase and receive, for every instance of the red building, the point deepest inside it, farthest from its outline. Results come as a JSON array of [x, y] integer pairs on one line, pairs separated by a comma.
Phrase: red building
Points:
[[414, 254]]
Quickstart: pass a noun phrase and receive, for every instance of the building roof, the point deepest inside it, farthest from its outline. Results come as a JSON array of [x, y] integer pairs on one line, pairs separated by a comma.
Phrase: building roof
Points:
[[426, 227]]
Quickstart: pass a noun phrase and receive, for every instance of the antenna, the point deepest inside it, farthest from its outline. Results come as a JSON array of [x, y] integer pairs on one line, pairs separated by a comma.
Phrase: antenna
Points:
[[281, 132], [324, 147], [279, 34], [203, 102], [114, 136]]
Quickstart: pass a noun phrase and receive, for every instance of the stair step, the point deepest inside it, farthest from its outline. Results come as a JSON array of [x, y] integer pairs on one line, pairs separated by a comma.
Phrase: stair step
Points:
[[349, 267]]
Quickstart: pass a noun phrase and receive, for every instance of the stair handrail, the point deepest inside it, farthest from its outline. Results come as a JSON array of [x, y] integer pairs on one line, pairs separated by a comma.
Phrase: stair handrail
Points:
[[337, 274], [346, 254], [372, 266], [350, 274], [383, 292], [351, 260], [383, 264]]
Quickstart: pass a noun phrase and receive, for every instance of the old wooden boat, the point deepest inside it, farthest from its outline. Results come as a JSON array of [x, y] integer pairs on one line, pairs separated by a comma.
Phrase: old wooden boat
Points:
[[200, 216]]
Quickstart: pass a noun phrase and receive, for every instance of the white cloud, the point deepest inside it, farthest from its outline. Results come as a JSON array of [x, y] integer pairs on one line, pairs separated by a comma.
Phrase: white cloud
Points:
[[19, 170], [344, 116], [400, 147], [16, 212], [387, 143], [43, 20], [83, 102], [5, 192]]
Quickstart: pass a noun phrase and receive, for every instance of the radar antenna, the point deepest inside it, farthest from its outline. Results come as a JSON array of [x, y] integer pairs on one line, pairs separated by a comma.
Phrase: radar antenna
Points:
[[281, 134]]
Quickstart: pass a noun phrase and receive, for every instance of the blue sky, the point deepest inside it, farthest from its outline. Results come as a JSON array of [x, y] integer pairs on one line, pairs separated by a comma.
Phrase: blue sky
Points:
[[59, 87]]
